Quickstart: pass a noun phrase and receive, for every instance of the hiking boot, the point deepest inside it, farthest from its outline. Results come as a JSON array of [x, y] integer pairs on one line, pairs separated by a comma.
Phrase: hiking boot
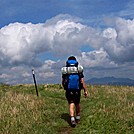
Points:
[[73, 123]]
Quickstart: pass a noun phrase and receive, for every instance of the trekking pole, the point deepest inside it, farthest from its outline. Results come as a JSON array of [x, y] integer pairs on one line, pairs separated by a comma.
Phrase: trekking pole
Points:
[[35, 82]]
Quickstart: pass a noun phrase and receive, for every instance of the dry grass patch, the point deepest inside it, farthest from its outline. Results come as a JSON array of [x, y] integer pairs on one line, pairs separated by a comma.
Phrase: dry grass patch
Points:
[[19, 110]]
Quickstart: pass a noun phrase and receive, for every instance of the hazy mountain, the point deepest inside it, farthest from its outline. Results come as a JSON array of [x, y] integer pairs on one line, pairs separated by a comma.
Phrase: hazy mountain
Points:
[[111, 81]]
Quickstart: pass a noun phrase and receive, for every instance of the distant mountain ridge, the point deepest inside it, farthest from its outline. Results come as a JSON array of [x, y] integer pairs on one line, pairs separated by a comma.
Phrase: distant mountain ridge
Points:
[[111, 81]]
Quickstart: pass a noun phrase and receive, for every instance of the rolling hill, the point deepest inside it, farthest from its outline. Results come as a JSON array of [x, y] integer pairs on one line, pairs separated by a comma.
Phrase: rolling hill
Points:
[[111, 81]]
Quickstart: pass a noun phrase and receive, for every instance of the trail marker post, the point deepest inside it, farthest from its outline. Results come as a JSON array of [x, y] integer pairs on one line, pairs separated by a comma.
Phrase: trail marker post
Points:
[[35, 82]]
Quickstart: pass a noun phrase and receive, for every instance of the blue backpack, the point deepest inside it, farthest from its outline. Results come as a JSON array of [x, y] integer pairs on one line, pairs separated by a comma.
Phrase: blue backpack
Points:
[[73, 80]]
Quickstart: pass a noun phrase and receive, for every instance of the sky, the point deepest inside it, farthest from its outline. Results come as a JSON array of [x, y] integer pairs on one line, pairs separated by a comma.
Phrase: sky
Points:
[[42, 34]]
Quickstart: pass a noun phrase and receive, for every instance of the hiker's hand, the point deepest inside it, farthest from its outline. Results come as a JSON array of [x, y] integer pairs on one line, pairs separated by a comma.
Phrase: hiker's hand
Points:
[[85, 94]]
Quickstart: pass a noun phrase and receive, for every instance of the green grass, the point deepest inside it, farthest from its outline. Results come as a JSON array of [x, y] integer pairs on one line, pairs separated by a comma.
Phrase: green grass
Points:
[[107, 110]]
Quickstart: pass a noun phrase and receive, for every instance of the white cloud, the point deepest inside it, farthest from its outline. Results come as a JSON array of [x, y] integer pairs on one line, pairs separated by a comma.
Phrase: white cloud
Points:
[[96, 59], [121, 46], [109, 33], [4, 76], [20, 45]]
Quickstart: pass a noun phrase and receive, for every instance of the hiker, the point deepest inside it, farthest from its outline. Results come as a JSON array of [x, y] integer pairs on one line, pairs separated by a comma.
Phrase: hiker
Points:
[[73, 82]]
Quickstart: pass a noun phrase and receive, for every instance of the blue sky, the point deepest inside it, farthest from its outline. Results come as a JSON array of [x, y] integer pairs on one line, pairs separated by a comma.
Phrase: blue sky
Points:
[[41, 34], [36, 11]]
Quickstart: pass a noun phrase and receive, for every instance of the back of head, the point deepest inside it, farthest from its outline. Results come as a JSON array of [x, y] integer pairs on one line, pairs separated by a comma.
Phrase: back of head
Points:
[[72, 62], [71, 58]]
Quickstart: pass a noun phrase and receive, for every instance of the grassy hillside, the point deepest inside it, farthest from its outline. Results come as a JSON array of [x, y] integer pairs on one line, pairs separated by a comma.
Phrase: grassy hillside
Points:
[[107, 110]]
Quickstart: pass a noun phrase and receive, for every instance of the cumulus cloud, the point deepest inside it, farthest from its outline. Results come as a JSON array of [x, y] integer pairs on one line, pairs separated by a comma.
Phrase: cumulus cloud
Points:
[[120, 45], [21, 43], [63, 35], [96, 59]]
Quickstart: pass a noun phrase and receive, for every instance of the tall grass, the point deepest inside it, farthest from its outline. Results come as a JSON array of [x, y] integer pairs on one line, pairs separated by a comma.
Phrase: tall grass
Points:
[[107, 110]]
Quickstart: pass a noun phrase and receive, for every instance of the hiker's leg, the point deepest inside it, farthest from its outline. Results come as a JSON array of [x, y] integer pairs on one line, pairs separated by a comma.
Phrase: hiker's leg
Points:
[[72, 118], [77, 105], [77, 109], [77, 102], [71, 109], [78, 113], [70, 98]]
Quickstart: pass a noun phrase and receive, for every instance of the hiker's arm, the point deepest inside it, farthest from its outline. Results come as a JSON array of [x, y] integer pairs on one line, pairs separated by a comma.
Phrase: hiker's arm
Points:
[[64, 81], [84, 87]]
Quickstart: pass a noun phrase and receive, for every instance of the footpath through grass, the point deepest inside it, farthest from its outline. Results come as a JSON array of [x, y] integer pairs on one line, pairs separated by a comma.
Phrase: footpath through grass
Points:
[[107, 110]]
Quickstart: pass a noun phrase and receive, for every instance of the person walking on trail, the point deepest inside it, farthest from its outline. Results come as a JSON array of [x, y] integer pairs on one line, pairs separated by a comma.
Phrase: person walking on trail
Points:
[[73, 82]]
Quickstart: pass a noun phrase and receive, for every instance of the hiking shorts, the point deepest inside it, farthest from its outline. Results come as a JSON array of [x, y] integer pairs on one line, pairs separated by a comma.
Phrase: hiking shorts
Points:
[[73, 96]]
